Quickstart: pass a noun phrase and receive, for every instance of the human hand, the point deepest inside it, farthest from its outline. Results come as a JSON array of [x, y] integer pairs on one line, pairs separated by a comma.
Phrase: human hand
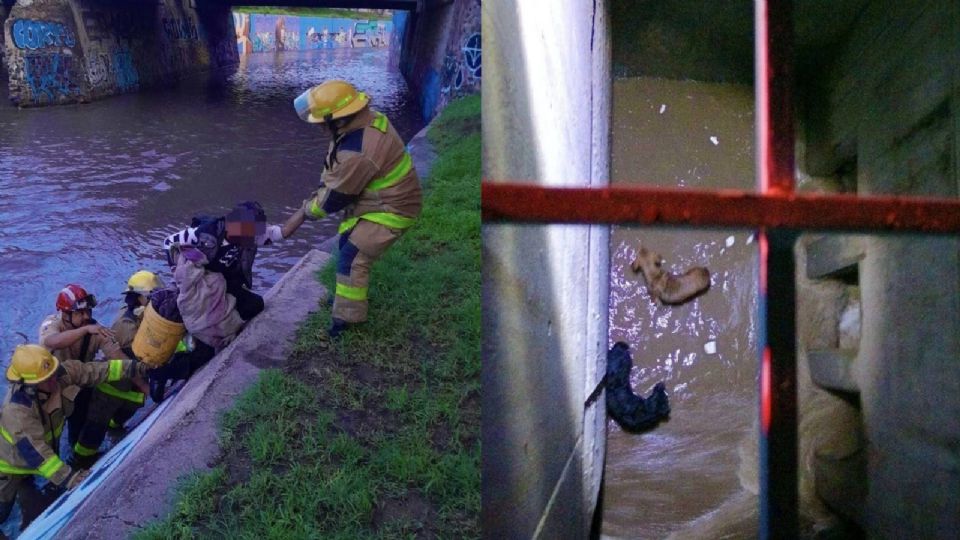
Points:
[[274, 233], [102, 331]]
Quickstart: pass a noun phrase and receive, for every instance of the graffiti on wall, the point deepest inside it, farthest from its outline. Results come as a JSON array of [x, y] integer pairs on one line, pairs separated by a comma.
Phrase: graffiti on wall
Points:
[[97, 69], [49, 76], [471, 55], [124, 71], [33, 35], [261, 33], [176, 29]]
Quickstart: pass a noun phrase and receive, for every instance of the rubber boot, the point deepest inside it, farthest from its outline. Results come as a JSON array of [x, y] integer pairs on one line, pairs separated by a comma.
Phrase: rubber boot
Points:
[[337, 327]]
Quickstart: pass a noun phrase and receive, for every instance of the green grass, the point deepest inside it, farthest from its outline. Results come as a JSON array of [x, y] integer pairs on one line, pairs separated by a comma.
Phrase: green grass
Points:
[[331, 13], [376, 436]]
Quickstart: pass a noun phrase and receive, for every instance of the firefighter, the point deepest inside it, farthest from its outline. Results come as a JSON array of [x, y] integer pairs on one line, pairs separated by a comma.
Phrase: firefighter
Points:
[[113, 403], [367, 174], [39, 399], [73, 334]]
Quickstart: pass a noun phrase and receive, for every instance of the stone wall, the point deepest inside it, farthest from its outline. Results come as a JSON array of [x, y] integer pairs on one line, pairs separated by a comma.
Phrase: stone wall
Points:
[[68, 51], [544, 287], [442, 56], [883, 113], [4, 11]]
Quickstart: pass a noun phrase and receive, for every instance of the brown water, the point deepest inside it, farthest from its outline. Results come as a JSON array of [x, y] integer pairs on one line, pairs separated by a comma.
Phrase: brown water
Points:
[[88, 192], [686, 471]]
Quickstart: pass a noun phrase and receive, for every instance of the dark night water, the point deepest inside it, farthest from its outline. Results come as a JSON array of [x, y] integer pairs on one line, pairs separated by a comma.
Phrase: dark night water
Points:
[[88, 192]]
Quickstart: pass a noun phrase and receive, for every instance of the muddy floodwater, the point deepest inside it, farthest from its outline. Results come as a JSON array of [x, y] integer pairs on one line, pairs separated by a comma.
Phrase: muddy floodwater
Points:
[[695, 468]]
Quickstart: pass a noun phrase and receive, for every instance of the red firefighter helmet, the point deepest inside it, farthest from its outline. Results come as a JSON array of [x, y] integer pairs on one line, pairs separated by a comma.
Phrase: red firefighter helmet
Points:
[[74, 298]]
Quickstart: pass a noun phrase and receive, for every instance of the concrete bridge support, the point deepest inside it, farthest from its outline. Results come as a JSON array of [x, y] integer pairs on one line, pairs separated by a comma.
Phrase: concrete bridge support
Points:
[[884, 112], [440, 51], [69, 51], [545, 287]]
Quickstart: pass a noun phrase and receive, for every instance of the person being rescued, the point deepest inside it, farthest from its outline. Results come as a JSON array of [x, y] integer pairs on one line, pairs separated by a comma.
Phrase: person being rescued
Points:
[[113, 403], [369, 176], [39, 398], [213, 269], [73, 334]]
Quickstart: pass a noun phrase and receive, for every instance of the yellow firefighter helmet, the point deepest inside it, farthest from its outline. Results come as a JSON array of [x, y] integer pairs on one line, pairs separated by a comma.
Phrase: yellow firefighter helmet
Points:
[[329, 101], [143, 282], [31, 364]]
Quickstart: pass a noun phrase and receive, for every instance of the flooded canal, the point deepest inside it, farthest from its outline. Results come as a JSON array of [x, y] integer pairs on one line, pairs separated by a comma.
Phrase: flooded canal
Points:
[[88, 192], [690, 477]]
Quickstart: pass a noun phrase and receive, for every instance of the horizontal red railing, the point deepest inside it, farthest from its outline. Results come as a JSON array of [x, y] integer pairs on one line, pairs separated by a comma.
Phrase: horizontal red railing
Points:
[[535, 203]]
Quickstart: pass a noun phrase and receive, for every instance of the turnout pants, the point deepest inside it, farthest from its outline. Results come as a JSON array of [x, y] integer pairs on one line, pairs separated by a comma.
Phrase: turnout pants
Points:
[[359, 248], [111, 405]]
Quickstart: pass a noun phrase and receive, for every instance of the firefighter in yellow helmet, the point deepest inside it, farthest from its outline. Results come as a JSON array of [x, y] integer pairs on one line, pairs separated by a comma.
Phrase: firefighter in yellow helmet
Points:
[[113, 403], [38, 401], [369, 175]]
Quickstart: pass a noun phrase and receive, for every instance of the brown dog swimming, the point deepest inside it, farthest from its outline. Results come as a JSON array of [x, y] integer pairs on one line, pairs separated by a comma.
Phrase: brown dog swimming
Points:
[[670, 288]]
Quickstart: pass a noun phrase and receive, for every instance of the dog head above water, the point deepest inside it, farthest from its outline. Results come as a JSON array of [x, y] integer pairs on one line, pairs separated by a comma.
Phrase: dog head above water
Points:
[[647, 261]]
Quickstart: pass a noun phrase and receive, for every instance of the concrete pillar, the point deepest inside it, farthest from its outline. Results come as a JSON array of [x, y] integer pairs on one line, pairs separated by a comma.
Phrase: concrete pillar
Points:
[[546, 120], [901, 137]]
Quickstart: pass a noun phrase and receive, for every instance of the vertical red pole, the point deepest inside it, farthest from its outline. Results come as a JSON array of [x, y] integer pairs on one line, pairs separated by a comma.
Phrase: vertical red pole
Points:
[[777, 343]]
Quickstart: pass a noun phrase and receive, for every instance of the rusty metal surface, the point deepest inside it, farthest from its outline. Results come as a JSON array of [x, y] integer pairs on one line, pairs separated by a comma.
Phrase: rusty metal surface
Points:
[[529, 203]]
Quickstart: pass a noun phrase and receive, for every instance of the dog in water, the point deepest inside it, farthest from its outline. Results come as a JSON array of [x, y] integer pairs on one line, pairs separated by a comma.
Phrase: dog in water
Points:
[[632, 412], [667, 287]]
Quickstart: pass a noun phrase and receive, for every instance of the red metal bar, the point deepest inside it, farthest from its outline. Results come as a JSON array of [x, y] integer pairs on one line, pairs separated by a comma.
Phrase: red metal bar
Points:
[[773, 26], [530, 203]]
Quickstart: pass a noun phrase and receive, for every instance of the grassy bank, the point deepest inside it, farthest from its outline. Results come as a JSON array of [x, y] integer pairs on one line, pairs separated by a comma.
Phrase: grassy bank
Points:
[[377, 436], [331, 13]]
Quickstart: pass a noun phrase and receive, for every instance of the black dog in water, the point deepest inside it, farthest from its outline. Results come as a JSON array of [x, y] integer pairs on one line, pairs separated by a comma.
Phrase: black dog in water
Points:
[[631, 411]]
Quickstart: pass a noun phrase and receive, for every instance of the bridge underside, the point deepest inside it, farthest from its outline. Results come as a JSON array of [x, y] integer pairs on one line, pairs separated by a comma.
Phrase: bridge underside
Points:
[[70, 51]]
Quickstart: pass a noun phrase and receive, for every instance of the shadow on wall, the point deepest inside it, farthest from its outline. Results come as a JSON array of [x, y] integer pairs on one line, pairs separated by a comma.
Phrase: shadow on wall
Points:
[[532, 374], [528, 431]]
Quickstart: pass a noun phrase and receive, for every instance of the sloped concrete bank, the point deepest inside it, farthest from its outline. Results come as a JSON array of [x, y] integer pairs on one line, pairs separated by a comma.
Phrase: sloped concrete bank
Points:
[[183, 438]]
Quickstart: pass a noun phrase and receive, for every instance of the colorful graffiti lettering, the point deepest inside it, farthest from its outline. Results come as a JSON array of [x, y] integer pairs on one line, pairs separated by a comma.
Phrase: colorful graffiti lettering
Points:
[[180, 29], [49, 76], [33, 35], [97, 69], [124, 71], [471, 55]]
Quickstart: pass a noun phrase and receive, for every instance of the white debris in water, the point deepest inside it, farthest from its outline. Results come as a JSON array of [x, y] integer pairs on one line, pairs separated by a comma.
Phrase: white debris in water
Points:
[[663, 107], [710, 347], [714, 140], [162, 186], [750, 239], [730, 240]]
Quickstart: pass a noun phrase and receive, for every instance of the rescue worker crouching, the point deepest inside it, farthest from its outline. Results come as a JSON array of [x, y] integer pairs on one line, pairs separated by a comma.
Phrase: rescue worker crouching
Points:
[[113, 403], [39, 400], [73, 334], [367, 174]]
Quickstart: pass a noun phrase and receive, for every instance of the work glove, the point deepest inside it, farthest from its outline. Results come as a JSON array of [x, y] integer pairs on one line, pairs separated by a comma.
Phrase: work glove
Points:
[[75, 478], [274, 233], [137, 369]]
